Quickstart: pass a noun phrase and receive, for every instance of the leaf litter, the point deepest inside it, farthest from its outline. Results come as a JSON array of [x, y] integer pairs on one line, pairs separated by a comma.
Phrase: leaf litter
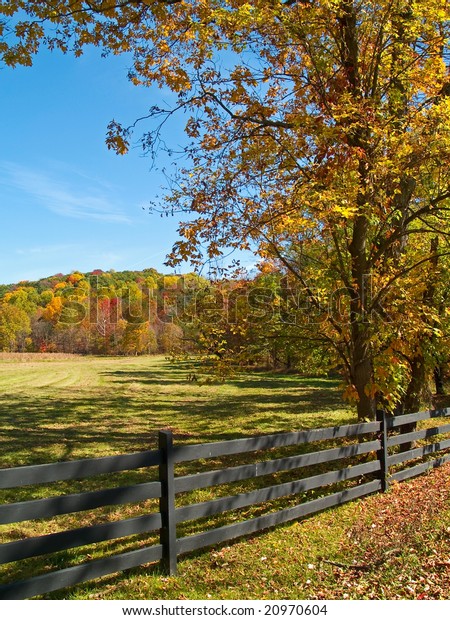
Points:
[[399, 547]]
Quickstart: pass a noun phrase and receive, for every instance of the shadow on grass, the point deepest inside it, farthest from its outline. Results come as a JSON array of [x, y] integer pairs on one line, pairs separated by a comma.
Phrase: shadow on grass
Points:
[[263, 382], [125, 414], [45, 431], [124, 377]]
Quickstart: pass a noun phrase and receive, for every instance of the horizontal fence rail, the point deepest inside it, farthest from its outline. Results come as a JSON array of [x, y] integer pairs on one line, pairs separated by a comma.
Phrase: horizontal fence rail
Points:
[[243, 472], [371, 456], [266, 442], [73, 470], [77, 502], [230, 532]]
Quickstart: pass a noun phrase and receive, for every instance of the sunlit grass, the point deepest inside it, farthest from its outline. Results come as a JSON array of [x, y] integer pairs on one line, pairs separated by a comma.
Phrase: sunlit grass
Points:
[[76, 407], [55, 408]]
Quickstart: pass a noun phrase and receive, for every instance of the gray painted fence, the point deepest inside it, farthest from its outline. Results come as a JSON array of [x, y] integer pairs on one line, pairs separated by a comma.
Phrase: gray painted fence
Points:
[[378, 441]]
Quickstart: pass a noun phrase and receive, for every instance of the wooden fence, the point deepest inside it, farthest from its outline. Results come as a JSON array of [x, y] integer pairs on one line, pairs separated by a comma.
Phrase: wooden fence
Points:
[[376, 442]]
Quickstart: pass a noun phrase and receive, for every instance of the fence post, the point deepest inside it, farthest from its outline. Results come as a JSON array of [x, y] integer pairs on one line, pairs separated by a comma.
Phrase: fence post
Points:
[[168, 532], [382, 454]]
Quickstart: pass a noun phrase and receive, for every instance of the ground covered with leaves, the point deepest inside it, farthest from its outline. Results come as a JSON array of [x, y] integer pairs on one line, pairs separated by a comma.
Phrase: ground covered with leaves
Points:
[[400, 545]]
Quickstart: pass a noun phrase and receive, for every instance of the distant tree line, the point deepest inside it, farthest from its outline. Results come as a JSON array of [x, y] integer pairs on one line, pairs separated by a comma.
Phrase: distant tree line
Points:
[[100, 312], [259, 321], [266, 321]]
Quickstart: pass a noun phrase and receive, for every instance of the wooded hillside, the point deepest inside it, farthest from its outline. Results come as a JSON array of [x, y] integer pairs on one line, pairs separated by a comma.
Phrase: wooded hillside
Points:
[[257, 321]]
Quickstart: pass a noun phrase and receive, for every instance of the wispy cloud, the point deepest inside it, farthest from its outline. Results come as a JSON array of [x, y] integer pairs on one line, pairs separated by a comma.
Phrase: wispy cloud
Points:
[[87, 200]]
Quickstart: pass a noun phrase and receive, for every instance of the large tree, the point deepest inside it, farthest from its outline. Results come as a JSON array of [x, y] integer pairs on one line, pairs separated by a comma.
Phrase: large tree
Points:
[[318, 137]]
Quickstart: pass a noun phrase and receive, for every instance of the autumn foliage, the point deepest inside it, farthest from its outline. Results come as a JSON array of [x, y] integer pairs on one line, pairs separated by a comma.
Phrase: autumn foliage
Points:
[[317, 137], [104, 313]]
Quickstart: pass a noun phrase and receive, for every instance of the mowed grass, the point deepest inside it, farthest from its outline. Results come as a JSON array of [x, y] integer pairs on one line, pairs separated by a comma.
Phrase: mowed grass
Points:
[[69, 407]]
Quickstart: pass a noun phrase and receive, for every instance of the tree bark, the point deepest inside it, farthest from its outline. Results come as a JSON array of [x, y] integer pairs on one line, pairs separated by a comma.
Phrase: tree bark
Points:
[[362, 366], [438, 375], [417, 395], [366, 407]]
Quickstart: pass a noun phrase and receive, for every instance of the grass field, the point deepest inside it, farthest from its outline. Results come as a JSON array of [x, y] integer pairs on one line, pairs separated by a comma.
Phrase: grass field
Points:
[[68, 407]]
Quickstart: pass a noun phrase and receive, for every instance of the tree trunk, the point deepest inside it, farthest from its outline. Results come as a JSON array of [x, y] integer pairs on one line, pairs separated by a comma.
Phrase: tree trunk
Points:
[[438, 374], [363, 375], [366, 407], [358, 137], [362, 365], [417, 395]]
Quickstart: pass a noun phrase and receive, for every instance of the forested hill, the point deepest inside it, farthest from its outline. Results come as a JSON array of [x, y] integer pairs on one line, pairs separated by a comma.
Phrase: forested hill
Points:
[[257, 321], [105, 278], [96, 312]]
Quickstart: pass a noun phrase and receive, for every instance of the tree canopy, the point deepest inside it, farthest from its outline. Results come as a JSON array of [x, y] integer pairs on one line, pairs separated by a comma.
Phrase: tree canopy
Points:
[[318, 137]]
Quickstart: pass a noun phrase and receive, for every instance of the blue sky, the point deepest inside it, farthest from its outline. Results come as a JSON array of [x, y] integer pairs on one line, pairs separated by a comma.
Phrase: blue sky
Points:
[[66, 202]]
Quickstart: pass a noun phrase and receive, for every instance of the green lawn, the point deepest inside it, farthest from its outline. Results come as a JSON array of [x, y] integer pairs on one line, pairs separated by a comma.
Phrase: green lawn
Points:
[[63, 407], [74, 407]]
